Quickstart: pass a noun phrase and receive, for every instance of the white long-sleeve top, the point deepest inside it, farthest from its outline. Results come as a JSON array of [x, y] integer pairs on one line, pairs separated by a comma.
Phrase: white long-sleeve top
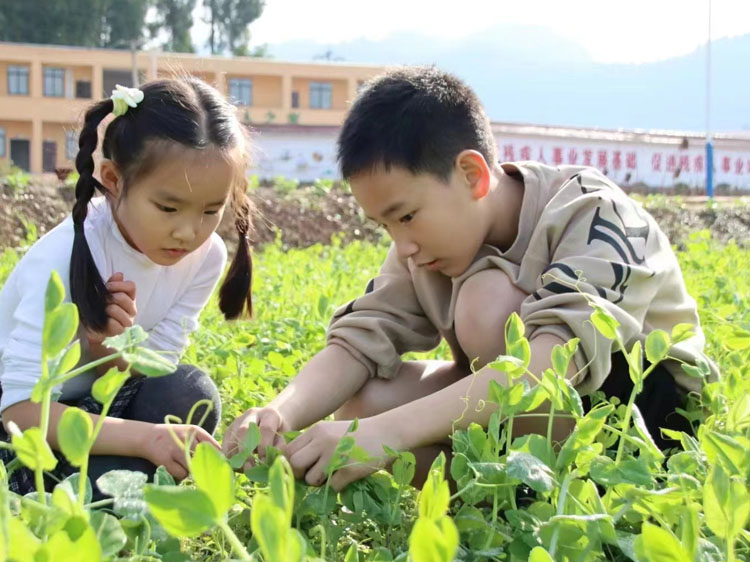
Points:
[[169, 299]]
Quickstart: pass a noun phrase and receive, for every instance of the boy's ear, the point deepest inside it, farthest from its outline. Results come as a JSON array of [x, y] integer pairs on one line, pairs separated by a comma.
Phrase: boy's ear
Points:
[[474, 168], [111, 178]]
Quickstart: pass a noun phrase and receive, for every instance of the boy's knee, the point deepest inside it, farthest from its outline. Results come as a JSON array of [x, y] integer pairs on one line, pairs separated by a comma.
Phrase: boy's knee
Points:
[[484, 303]]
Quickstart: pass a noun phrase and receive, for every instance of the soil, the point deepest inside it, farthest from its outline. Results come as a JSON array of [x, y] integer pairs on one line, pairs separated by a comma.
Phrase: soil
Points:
[[310, 215]]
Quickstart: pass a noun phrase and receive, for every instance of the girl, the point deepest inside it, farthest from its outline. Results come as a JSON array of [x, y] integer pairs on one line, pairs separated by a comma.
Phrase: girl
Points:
[[146, 253]]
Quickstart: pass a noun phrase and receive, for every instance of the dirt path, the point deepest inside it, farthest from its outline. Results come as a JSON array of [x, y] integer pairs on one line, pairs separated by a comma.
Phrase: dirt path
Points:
[[308, 215]]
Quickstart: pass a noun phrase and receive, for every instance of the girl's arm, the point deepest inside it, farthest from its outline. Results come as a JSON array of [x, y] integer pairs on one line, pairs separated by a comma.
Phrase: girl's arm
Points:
[[119, 437]]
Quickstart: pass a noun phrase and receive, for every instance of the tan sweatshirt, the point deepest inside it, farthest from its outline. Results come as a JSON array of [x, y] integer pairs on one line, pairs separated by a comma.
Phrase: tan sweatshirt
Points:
[[575, 227]]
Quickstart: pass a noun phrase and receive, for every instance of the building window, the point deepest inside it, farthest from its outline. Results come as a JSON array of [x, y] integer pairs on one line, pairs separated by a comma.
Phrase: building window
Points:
[[320, 95], [241, 90], [83, 89], [2, 142], [54, 82], [71, 144], [18, 80], [295, 99]]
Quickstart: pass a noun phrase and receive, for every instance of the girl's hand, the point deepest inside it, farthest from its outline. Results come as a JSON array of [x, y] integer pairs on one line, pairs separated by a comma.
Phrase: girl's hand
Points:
[[271, 426], [121, 310], [310, 453], [160, 448]]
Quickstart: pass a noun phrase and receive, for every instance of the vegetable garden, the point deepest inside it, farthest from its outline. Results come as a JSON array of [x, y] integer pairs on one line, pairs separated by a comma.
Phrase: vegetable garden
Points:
[[605, 493]]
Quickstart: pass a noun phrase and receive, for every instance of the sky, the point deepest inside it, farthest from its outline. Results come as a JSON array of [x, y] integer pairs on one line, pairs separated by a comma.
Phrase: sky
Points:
[[612, 31]]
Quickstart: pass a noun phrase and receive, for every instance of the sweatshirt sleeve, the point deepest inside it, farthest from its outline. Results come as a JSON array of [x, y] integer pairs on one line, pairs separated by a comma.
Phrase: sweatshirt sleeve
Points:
[[385, 322], [22, 356], [606, 251], [170, 334]]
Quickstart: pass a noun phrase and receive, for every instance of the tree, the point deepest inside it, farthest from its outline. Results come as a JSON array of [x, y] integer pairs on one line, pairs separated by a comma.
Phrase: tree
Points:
[[73, 22], [124, 24], [229, 22], [176, 18]]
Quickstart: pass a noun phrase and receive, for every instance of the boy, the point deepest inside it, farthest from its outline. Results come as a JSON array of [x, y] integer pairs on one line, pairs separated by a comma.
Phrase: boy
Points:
[[473, 242]]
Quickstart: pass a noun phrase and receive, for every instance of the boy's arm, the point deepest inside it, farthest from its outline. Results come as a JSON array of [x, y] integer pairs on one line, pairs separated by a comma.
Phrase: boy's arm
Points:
[[328, 380], [426, 421]]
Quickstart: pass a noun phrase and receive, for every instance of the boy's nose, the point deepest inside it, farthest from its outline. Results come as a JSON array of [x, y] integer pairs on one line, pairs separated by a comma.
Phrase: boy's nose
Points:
[[405, 248]]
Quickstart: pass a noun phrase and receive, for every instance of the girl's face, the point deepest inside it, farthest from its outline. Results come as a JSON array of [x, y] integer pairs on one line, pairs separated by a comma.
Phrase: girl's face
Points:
[[172, 210]]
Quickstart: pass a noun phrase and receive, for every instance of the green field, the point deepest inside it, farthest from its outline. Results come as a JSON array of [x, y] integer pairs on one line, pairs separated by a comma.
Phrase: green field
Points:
[[603, 494]]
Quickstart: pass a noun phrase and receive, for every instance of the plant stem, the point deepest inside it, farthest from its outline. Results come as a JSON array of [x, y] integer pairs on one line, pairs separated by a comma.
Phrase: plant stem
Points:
[[237, 547], [83, 475], [549, 424], [561, 509]]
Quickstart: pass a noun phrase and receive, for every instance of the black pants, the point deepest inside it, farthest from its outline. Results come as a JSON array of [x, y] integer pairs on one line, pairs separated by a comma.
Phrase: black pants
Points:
[[148, 400], [657, 401], [158, 397]]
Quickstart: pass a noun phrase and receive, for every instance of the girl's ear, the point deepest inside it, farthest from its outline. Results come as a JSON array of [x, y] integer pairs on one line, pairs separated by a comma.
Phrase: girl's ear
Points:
[[111, 178], [476, 171]]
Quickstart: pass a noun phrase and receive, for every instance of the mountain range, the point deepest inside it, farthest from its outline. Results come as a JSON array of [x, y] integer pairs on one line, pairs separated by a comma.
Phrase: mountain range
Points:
[[529, 74]]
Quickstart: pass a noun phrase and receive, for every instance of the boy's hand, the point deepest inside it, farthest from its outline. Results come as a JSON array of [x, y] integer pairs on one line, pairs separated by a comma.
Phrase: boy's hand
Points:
[[270, 423], [121, 310], [160, 448], [310, 453]]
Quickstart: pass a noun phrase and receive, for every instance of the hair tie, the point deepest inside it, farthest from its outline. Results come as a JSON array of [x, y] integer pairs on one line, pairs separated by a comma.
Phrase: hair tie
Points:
[[123, 97]]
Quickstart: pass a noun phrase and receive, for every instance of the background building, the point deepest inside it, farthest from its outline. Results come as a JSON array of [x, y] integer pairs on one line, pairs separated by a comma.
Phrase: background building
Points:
[[44, 91], [296, 109]]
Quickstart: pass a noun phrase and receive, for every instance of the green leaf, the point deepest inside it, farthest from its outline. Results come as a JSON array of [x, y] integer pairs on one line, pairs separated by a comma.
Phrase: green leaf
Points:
[[636, 359], [147, 362], [433, 541], [106, 387], [129, 339], [55, 293], [33, 450], [74, 431], [726, 504], [657, 346], [183, 512], [23, 543], [60, 326], [352, 555], [508, 364], [77, 541], [435, 494], [249, 442], [604, 322], [68, 361], [531, 471], [269, 527], [682, 332], [404, 468], [739, 340], [213, 475], [514, 329], [109, 533], [539, 554], [659, 545], [126, 486], [281, 484], [560, 360]]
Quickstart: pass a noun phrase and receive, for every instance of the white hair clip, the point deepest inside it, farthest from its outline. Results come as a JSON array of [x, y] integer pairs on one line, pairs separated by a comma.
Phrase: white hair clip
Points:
[[124, 97]]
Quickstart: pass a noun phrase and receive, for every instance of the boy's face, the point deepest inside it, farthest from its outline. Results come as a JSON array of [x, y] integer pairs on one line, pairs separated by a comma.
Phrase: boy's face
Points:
[[439, 225]]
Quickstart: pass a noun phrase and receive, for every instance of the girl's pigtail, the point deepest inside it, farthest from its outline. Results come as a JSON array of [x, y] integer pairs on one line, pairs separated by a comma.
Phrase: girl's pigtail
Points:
[[87, 289], [236, 291]]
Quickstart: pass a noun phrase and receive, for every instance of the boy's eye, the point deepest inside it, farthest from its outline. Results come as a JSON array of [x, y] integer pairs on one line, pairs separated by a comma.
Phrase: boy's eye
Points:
[[165, 209], [407, 218]]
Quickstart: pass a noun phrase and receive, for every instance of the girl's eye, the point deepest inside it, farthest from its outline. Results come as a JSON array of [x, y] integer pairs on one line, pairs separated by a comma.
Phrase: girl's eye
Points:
[[165, 209], [407, 218], [212, 212]]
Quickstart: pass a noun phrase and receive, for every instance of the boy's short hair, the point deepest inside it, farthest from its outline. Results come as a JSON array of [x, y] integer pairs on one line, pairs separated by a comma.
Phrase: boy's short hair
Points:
[[417, 118]]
